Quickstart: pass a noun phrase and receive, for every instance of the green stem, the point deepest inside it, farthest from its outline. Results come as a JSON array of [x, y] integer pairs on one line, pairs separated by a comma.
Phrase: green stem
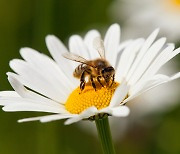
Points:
[[105, 135]]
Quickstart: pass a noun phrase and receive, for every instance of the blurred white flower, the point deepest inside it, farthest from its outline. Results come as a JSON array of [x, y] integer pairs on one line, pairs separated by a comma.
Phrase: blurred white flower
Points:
[[141, 16]]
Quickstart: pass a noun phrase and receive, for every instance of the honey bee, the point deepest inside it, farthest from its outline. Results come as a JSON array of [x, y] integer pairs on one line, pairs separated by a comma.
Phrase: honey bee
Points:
[[97, 71]]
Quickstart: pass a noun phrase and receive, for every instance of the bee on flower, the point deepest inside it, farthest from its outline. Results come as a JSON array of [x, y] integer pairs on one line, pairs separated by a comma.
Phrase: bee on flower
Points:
[[107, 75]]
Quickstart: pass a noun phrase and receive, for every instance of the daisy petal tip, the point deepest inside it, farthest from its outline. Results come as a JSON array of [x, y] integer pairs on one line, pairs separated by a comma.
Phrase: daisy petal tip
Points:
[[5, 109], [52, 40], [21, 121], [21, 50], [25, 51], [49, 37], [163, 39], [171, 45], [116, 28], [155, 33], [24, 120], [67, 122], [115, 25], [11, 62], [8, 73], [12, 79], [10, 76], [157, 30]]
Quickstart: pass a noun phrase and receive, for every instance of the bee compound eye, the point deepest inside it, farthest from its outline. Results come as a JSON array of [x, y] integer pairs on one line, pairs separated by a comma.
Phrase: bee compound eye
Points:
[[108, 69], [103, 70]]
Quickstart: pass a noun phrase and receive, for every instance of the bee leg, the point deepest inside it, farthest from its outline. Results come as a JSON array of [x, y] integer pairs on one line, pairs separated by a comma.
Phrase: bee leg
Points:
[[112, 80], [98, 78], [106, 80], [82, 81], [82, 85], [93, 84]]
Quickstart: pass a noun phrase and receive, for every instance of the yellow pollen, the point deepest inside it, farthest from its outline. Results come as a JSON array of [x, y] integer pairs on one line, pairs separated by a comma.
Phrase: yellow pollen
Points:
[[79, 100]]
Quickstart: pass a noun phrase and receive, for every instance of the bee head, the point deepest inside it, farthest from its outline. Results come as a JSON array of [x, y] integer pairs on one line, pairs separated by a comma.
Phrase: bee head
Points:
[[107, 73]]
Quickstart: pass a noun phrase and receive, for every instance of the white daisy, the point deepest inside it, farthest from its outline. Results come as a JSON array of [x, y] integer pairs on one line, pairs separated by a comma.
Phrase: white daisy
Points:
[[52, 87], [140, 16]]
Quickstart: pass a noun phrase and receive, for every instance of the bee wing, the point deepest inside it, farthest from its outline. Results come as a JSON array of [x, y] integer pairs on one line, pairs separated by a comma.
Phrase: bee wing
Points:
[[74, 57], [99, 46]]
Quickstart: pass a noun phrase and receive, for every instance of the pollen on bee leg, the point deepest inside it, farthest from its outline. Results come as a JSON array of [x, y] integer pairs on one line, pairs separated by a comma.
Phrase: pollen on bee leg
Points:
[[79, 100]]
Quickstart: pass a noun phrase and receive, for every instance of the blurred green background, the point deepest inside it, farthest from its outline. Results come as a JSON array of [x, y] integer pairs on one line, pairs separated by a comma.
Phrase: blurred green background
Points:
[[26, 23]]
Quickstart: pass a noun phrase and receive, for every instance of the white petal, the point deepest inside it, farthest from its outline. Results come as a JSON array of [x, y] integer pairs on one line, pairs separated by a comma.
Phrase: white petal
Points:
[[56, 117], [124, 45], [127, 58], [9, 94], [57, 48], [85, 114], [47, 66], [145, 84], [120, 93], [88, 39], [12, 104], [142, 52], [158, 62], [77, 46], [46, 118], [29, 119], [120, 111], [174, 53], [147, 59], [73, 120], [88, 112], [15, 107], [25, 93], [121, 47], [111, 43], [46, 84], [175, 76], [154, 82]]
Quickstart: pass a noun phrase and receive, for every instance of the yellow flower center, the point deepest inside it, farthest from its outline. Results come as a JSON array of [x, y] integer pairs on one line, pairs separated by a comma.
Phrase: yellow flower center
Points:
[[79, 100], [176, 2], [172, 6]]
